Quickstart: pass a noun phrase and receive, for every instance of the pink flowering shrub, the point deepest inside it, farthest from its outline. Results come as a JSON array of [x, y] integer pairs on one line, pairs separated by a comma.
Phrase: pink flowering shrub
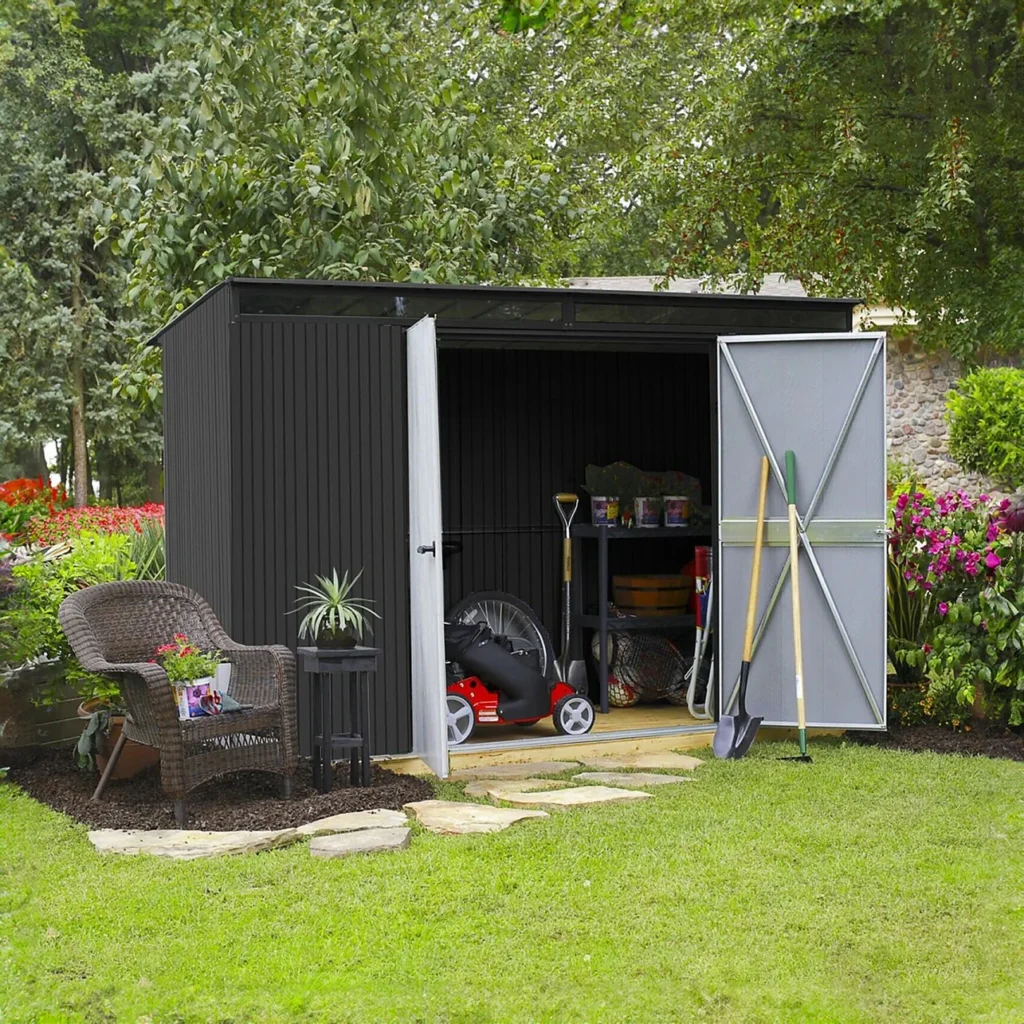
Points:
[[70, 522], [964, 558]]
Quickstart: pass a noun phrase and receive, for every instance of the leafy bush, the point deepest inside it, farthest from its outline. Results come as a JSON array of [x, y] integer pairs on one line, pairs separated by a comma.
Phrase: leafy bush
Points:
[[29, 623], [960, 553], [986, 424]]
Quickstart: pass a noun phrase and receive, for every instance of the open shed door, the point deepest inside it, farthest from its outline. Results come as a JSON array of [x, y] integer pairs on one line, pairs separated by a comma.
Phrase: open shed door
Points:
[[426, 590], [823, 396]]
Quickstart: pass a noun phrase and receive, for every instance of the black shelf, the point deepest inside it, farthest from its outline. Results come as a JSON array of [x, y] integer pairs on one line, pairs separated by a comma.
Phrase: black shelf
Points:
[[641, 532], [635, 623]]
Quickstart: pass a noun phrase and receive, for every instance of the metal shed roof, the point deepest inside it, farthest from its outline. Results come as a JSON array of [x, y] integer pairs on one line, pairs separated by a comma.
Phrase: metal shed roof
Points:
[[534, 306]]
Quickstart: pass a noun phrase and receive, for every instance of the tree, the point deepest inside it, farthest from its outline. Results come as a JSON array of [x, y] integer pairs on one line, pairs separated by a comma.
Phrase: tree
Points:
[[867, 148], [310, 138], [62, 122]]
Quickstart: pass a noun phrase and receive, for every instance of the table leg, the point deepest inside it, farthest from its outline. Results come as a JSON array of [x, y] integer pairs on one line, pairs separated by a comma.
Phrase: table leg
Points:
[[602, 613], [316, 725], [364, 725], [327, 712], [353, 727]]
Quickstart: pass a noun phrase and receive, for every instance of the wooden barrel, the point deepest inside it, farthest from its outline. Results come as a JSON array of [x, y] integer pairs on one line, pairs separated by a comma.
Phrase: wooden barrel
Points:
[[652, 595]]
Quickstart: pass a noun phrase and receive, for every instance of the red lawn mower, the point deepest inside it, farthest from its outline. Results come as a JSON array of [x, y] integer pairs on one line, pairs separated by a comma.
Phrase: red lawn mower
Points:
[[493, 679]]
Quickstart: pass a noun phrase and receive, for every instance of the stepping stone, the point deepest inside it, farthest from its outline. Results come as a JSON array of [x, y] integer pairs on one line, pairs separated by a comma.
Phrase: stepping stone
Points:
[[188, 844], [514, 771], [667, 759], [369, 840], [629, 779], [579, 796], [449, 817], [354, 821], [484, 786]]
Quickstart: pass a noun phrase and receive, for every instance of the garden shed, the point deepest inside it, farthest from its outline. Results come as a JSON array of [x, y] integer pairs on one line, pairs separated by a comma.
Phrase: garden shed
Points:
[[419, 432]]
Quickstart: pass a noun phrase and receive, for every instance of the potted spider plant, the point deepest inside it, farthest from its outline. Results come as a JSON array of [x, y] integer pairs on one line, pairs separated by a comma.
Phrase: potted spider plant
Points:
[[333, 618]]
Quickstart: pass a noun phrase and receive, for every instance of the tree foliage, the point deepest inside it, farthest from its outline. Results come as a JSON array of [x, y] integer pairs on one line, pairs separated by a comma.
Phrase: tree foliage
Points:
[[310, 138], [869, 148], [63, 326]]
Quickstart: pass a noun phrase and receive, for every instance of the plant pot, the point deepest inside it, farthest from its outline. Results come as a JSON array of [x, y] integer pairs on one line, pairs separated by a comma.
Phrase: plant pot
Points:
[[343, 641], [135, 757]]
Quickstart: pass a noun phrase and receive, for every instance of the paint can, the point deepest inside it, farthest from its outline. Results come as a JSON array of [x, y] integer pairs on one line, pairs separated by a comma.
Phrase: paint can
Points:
[[677, 510], [646, 512], [604, 511]]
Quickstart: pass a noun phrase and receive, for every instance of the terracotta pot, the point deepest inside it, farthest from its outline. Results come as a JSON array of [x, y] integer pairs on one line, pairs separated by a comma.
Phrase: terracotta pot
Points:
[[135, 757]]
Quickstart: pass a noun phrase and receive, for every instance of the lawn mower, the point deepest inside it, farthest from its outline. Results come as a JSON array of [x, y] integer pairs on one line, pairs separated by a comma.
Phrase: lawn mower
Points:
[[491, 682]]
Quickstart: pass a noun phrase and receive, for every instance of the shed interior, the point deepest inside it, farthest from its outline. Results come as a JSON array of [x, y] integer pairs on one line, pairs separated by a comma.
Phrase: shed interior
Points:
[[518, 425]]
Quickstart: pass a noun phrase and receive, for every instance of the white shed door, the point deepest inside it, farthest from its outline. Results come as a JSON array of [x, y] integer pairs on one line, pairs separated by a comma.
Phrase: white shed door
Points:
[[823, 396], [426, 594]]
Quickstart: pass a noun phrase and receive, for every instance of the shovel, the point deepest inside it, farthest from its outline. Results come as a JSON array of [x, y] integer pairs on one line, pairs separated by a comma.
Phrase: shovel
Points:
[[736, 732], [574, 673]]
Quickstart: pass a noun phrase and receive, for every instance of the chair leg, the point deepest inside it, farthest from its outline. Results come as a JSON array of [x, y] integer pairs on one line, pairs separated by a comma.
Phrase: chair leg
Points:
[[108, 770], [179, 812], [287, 787]]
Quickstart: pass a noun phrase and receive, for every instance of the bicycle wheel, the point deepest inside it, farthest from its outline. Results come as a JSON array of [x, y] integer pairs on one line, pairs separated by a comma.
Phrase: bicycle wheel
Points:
[[508, 618]]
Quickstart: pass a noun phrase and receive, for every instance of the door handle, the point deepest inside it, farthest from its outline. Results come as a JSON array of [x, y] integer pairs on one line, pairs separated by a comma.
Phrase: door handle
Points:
[[424, 549]]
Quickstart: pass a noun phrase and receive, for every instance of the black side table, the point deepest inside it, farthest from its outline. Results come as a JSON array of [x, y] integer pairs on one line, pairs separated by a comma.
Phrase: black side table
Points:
[[351, 667]]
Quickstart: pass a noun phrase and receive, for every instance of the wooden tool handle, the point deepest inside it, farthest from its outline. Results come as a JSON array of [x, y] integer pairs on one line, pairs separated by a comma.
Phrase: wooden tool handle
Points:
[[755, 572], [794, 570]]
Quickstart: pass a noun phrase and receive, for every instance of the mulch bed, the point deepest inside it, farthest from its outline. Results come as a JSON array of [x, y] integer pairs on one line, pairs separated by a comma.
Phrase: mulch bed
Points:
[[247, 800], [982, 741]]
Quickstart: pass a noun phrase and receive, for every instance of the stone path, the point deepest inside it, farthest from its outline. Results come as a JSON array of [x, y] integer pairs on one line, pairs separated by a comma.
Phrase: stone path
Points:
[[514, 771], [187, 844], [578, 796], [370, 840], [484, 786], [342, 835], [450, 817], [667, 759], [354, 821], [628, 779]]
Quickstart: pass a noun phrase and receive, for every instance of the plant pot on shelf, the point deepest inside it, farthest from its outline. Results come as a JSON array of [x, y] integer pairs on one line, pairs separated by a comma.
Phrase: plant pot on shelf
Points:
[[335, 641], [135, 757]]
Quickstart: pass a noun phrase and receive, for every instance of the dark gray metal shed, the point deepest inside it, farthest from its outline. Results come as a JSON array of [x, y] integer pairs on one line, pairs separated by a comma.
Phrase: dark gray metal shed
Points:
[[287, 435]]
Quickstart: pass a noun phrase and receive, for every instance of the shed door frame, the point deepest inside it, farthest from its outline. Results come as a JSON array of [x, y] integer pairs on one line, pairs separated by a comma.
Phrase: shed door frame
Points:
[[426, 590], [865, 532]]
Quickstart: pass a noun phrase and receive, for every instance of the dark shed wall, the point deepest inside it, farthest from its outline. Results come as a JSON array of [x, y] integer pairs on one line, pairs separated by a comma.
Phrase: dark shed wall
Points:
[[320, 476], [197, 457]]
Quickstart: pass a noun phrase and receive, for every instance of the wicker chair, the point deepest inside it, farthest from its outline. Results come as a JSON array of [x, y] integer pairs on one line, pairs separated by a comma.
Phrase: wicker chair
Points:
[[114, 629]]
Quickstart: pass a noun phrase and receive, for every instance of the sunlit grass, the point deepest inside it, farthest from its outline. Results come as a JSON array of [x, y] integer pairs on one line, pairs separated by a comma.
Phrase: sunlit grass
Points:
[[872, 885]]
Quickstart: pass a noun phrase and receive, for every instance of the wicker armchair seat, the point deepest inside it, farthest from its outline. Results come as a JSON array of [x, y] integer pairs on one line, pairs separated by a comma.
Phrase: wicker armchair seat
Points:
[[114, 628]]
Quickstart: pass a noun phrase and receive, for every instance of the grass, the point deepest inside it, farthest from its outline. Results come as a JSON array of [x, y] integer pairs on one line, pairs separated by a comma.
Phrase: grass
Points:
[[872, 885]]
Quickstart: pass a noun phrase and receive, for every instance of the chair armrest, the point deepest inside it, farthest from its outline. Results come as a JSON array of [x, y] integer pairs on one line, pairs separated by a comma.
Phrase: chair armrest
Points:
[[150, 672], [263, 675]]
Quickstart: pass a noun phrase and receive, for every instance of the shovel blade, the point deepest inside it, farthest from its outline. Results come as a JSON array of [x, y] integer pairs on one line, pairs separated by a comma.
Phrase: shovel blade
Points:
[[734, 735]]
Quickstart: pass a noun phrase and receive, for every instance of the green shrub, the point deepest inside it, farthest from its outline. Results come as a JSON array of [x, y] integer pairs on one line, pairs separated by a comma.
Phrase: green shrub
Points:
[[29, 622], [986, 424]]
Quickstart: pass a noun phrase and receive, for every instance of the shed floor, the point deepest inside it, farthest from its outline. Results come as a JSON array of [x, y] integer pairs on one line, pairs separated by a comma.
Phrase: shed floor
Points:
[[634, 719]]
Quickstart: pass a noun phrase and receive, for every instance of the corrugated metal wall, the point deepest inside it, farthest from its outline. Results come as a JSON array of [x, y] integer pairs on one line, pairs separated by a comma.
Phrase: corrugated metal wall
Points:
[[197, 459], [320, 480], [519, 425]]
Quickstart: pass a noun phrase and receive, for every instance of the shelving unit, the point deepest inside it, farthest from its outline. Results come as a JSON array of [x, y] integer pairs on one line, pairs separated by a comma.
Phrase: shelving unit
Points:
[[605, 623]]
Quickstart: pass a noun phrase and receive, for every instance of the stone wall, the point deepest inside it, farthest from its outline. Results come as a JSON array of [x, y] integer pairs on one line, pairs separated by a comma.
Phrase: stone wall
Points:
[[916, 387]]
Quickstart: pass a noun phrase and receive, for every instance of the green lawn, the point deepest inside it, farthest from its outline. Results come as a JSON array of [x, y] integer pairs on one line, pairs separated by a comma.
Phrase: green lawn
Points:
[[871, 885]]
